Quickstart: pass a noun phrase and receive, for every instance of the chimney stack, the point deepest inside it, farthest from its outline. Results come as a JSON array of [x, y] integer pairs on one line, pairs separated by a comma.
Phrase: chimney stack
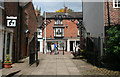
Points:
[[66, 10]]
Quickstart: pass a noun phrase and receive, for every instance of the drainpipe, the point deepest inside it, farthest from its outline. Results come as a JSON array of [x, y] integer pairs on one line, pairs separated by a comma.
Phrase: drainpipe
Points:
[[4, 49], [108, 13], [45, 35], [17, 42]]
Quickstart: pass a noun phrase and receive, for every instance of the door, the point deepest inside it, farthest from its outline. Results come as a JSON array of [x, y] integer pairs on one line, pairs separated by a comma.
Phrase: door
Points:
[[71, 45]]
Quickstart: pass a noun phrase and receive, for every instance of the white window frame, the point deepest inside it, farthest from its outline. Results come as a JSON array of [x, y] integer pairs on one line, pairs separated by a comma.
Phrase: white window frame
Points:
[[58, 22], [39, 33], [61, 29], [116, 2]]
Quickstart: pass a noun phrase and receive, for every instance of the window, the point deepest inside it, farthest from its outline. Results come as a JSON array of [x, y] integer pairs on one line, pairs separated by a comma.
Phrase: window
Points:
[[58, 22], [8, 43], [116, 3], [39, 33], [58, 32]]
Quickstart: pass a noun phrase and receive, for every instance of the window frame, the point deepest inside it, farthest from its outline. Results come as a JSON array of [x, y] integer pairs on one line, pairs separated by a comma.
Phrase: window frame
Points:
[[116, 3], [59, 35], [58, 22]]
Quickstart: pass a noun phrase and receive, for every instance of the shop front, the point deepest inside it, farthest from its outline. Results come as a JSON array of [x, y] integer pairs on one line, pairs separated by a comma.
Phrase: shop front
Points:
[[60, 44]]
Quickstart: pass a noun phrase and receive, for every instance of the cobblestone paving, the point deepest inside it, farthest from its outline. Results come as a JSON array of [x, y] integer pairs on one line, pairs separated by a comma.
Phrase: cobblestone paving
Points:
[[88, 69]]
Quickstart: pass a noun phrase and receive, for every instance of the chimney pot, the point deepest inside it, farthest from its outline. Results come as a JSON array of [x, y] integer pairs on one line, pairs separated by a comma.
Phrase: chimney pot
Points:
[[65, 9]]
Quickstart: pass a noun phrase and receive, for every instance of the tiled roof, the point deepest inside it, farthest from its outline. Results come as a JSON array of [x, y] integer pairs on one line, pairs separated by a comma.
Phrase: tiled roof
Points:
[[39, 18], [63, 15]]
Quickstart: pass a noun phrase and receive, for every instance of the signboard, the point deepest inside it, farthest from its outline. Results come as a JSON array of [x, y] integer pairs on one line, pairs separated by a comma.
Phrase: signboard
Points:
[[11, 21]]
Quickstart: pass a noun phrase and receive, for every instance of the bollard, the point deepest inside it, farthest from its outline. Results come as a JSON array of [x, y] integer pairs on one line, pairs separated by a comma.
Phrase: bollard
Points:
[[75, 51], [63, 50]]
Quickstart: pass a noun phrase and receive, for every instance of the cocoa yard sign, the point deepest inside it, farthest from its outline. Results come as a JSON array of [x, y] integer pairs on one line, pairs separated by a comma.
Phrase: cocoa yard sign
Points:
[[11, 21]]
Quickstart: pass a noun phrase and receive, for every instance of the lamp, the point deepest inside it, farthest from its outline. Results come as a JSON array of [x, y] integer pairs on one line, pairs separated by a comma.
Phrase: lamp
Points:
[[27, 31]]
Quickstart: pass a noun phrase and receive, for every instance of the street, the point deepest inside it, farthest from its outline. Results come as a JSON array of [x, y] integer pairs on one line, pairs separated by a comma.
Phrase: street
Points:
[[56, 65]]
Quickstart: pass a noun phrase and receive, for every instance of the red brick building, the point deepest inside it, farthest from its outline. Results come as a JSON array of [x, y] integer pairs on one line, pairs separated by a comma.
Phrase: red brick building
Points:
[[25, 28], [114, 14], [62, 30]]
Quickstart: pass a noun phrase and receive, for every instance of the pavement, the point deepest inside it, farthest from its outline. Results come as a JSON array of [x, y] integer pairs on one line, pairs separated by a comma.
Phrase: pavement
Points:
[[56, 65], [0, 72]]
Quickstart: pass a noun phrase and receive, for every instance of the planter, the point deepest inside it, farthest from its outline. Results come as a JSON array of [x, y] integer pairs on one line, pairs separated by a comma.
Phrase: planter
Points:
[[7, 65]]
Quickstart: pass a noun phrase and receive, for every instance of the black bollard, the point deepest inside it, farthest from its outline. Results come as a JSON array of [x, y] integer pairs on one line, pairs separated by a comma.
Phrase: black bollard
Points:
[[63, 50], [75, 52]]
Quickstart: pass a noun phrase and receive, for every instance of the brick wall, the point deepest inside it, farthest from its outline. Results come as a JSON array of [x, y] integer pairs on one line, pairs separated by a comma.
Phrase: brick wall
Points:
[[11, 9], [20, 43], [114, 14], [29, 22], [70, 31], [32, 20]]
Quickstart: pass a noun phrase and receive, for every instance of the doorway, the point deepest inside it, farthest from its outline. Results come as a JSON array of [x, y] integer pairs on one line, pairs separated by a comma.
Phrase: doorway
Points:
[[71, 45]]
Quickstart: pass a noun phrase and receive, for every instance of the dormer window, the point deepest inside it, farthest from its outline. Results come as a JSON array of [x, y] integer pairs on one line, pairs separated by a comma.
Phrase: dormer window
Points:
[[58, 22], [116, 3]]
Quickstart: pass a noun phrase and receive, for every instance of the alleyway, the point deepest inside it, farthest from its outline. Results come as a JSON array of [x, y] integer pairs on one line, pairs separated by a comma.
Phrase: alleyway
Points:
[[57, 65]]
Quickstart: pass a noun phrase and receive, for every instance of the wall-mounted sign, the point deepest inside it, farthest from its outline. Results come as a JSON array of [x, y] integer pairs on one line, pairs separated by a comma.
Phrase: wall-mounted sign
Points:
[[11, 21]]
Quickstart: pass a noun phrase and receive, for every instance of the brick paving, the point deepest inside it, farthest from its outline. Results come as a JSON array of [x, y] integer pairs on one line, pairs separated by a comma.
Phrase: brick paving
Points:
[[58, 65]]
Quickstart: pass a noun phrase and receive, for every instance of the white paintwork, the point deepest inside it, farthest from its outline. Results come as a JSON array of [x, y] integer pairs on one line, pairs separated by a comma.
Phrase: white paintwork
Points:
[[68, 45], [1, 38], [1, 44], [41, 44], [39, 35], [11, 40], [11, 17]]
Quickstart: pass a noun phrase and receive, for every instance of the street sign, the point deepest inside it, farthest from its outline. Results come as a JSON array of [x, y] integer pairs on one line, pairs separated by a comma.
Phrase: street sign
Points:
[[11, 21]]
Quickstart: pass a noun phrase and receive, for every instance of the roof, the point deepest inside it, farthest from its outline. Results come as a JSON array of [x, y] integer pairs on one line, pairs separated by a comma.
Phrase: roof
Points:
[[77, 15], [22, 4], [39, 18]]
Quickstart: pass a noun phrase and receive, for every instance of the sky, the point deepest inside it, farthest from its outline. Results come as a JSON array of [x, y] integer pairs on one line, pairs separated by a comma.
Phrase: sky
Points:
[[54, 6]]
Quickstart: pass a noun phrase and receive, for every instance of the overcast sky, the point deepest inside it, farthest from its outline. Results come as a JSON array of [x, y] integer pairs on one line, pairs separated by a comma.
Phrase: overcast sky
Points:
[[53, 6]]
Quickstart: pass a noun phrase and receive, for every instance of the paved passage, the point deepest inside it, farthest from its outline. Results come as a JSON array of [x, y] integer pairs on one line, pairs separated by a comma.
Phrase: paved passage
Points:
[[57, 65]]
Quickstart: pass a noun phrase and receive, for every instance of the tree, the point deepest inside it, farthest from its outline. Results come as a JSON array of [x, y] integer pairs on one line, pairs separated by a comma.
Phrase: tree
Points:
[[70, 10], [112, 56], [113, 42], [63, 10]]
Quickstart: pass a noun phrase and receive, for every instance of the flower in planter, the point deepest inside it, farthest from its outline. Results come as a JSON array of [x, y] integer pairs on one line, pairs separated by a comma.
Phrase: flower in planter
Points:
[[7, 59], [7, 63]]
